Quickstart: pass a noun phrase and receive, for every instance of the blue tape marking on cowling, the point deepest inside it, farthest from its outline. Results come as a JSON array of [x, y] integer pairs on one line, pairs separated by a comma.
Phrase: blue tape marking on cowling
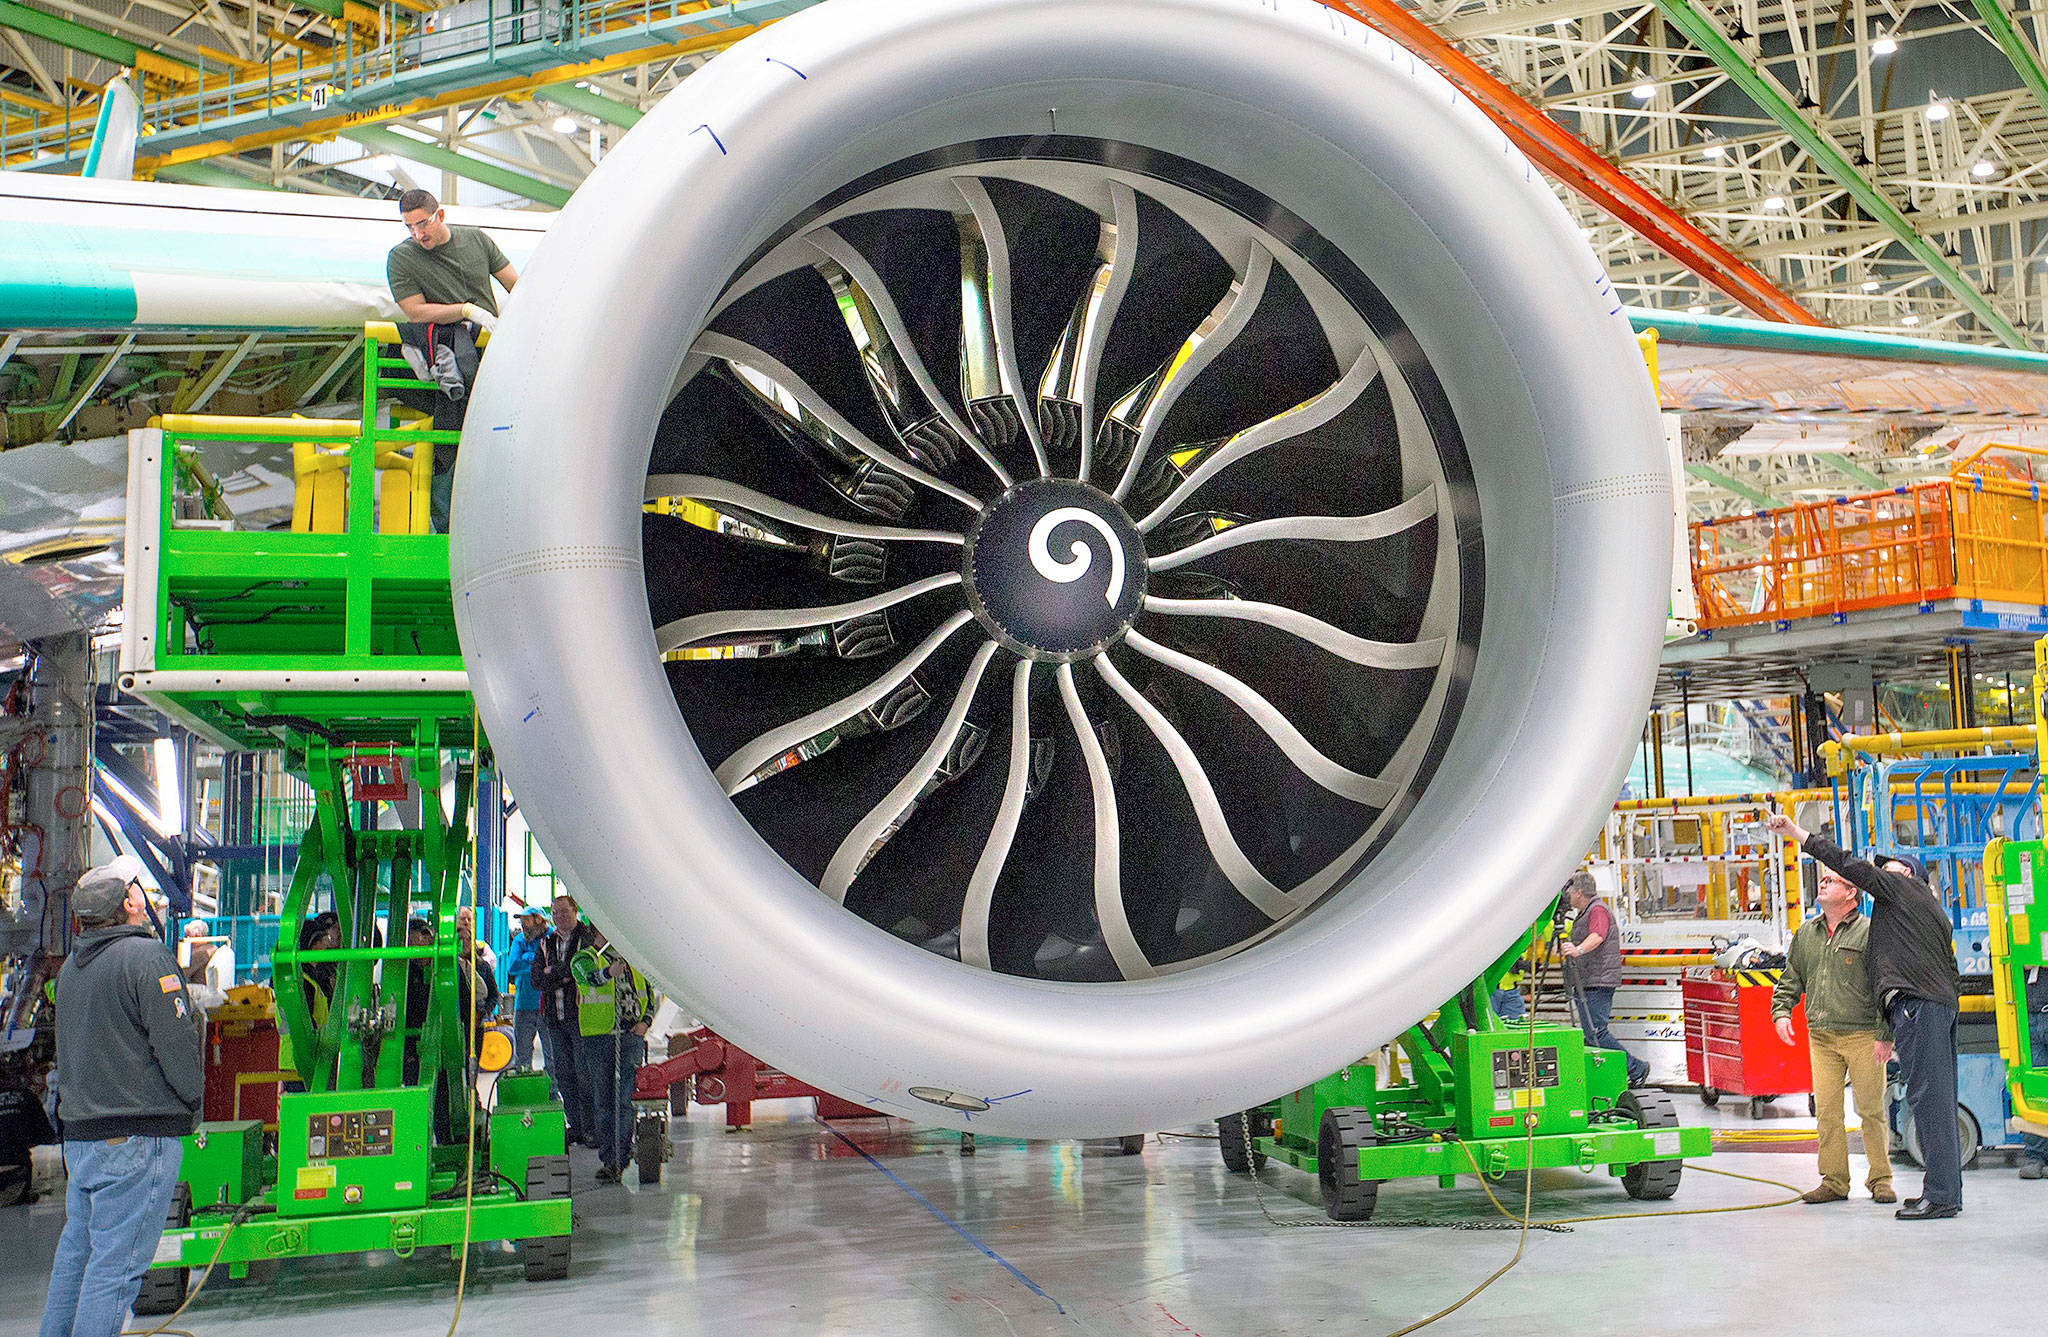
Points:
[[958, 1229]]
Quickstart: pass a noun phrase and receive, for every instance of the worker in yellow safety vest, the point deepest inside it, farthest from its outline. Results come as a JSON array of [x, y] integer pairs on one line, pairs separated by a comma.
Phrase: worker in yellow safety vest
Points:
[[614, 1004]]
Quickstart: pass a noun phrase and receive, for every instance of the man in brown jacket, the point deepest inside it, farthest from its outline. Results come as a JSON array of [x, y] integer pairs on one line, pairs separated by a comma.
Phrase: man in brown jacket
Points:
[[1844, 1034]]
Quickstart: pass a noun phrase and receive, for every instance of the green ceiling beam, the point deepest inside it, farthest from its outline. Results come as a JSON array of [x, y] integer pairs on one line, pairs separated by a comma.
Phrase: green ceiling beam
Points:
[[448, 160], [595, 105], [1728, 482], [331, 8], [1705, 33], [206, 174], [76, 36], [1849, 469], [2016, 48]]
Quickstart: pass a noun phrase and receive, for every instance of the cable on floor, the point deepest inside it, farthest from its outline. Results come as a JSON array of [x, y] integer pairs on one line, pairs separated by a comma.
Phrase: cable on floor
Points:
[[164, 1329]]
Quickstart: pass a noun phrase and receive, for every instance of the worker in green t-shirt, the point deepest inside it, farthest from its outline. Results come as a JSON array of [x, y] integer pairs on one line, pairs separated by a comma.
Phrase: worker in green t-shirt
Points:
[[440, 277], [442, 274]]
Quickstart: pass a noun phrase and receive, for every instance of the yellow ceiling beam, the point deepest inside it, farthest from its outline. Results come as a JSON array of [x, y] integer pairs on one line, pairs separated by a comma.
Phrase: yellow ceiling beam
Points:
[[333, 126]]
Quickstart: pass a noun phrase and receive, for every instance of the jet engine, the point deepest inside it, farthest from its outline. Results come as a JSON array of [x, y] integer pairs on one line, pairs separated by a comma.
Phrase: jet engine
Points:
[[1063, 566]]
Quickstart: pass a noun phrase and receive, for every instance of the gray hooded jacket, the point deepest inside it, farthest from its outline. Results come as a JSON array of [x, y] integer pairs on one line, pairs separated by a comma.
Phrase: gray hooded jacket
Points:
[[130, 1041]]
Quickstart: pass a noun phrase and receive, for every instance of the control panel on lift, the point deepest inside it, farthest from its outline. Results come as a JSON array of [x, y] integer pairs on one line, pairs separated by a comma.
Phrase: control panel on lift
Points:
[[353, 1151], [1511, 1069], [1502, 1076]]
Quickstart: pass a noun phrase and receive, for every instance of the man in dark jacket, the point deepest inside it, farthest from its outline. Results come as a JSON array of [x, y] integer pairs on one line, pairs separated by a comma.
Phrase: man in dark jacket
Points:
[[556, 982], [1913, 977], [1592, 969], [129, 1082]]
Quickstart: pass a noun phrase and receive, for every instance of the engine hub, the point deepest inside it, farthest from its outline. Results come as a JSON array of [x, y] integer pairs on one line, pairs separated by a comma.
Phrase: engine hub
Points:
[[1055, 570]]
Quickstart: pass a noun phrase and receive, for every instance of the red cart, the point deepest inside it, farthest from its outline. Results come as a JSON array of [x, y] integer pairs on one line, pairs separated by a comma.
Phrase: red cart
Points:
[[1732, 1046]]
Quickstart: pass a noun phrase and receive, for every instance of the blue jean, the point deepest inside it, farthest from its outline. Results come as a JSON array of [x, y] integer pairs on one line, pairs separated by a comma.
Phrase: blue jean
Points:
[[114, 1208], [597, 1079], [1924, 1041], [1508, 1005], [525, 1031], [2033, 1146], [632, 1053], [562, 1043], [1595, 1010]]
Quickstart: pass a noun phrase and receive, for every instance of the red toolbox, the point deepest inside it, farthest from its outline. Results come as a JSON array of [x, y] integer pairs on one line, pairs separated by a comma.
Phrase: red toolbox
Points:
[[1732, 1046]]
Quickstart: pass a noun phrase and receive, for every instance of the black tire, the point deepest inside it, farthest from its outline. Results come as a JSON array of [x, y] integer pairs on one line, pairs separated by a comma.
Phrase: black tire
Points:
[[1131, 1144], [163, 1288], [1709, 1097], [547, 1257], [1652, 1181], [1813, 1106], [1969, 1139], [1346, 1197], [649, 1138], [1758, 1104], [1230, 1133]]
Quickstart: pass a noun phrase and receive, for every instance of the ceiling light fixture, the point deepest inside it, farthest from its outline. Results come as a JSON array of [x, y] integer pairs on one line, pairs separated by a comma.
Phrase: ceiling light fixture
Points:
[[1909, 320], [1983, 168], [565, 125], [1712, 151], [1883, 45], [1643, 91], [1695, 311], [1774, 203], [1871, 285], [1937, 110]]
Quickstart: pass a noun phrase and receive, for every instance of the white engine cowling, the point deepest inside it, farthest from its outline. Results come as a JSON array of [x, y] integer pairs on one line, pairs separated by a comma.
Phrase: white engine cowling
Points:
[[1063, 566]]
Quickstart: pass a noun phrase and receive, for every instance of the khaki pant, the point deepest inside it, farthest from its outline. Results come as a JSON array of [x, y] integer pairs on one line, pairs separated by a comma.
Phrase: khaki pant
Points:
[[1837, 1054]]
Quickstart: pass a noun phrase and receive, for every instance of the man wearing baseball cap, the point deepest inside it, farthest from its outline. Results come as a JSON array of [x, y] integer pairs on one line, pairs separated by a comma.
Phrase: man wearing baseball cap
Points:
[[526, 1027], [129, 1082], [1912, 965]]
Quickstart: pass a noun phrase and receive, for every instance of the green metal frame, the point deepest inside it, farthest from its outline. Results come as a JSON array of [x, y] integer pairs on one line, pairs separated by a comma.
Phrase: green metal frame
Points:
[[285, 625], [237, 603], [2015, 878], [1435, 1117]]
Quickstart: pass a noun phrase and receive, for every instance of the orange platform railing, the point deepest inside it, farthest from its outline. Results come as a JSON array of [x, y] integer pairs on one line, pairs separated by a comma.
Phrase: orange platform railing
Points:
[[1970, 536]]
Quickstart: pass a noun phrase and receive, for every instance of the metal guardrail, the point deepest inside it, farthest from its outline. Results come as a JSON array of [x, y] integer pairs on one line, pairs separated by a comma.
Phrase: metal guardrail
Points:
[[1971, 536], [408, 54]]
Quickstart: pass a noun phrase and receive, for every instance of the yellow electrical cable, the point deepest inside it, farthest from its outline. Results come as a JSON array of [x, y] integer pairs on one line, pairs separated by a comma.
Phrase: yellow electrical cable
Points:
[[468, 1084], [164, 1328]]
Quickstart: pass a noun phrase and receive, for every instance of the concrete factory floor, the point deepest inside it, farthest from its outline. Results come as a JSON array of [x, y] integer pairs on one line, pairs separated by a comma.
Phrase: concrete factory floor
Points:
[[788, 1229]]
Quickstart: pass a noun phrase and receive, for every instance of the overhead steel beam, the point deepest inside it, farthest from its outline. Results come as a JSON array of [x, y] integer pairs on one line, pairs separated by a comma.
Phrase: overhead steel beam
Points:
[[1849, 469], [596, 105], [206, 174], [1728, 482], [2016, 47], [1704, 32], [462, 165], [90, 41], [204, 391], [1521, 18], [1573, 161], [93, 383]]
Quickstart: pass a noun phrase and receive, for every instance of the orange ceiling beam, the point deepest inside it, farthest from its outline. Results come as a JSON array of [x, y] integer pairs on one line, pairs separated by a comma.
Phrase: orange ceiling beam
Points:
[[1579, 165]]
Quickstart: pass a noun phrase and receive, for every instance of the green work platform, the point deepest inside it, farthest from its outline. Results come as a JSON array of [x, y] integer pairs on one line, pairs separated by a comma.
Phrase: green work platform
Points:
[[1475, 1094], [339, 648]]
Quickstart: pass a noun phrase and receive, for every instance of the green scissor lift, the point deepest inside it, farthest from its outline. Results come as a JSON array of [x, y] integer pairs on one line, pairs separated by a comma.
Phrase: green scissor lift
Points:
[[1473, 1081], [340, 649]]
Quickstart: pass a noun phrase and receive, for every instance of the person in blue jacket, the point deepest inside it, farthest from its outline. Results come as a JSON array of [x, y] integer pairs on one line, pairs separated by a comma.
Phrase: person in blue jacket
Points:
[[526, 1027]]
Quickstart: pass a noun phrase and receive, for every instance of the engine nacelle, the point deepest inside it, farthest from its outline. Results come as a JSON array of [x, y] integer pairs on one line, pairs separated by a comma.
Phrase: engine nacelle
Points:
[[1072, 565]]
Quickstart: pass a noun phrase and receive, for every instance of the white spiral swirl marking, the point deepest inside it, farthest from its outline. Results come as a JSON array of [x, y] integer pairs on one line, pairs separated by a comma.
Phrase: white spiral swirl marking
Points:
[[1071, 570]]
